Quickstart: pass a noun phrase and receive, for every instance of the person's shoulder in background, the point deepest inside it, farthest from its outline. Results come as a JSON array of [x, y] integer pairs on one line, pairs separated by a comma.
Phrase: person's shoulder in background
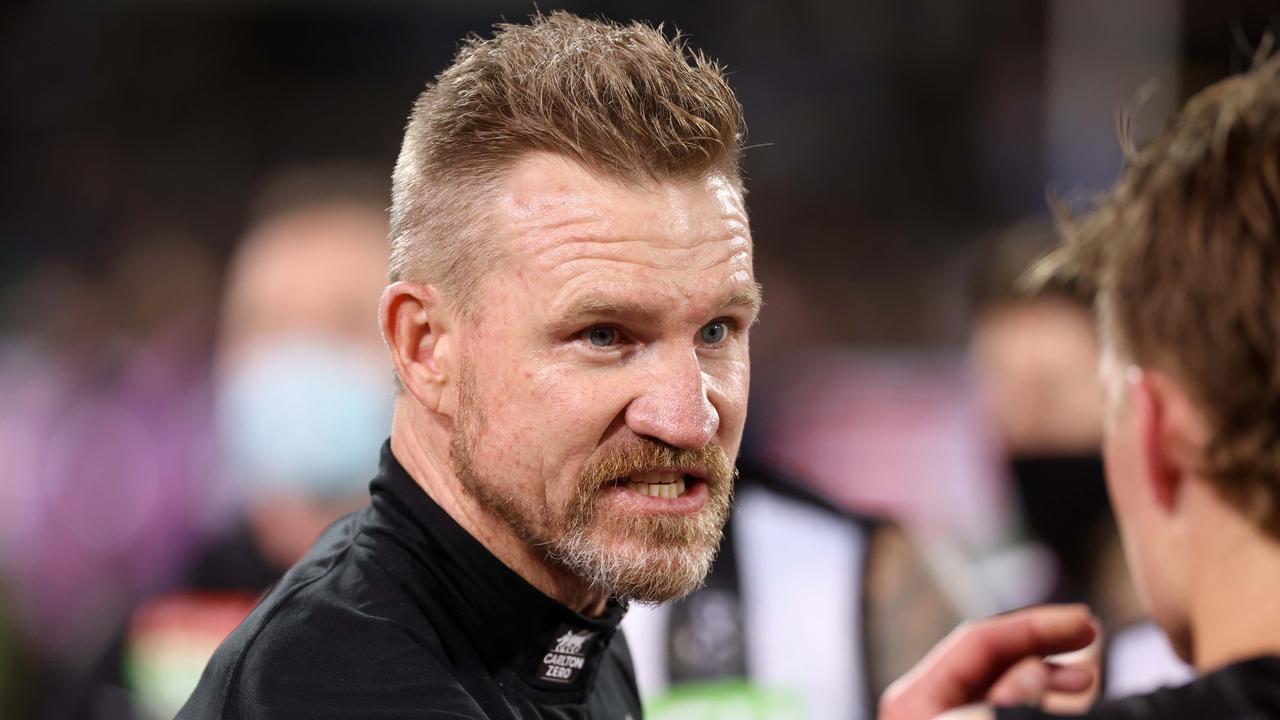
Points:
[[905, 609]]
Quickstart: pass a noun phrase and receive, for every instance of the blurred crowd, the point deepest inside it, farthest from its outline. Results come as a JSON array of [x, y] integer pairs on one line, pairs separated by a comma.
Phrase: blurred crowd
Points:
[[178, 442], [181, 415]]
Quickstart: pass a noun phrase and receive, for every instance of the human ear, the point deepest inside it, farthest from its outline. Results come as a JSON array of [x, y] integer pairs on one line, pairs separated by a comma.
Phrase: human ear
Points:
[[1173, 433], [417, 329]]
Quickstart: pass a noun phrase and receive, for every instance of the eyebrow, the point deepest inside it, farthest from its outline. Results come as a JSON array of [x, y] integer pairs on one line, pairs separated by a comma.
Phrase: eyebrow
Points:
[[605, 307], [748, 297]]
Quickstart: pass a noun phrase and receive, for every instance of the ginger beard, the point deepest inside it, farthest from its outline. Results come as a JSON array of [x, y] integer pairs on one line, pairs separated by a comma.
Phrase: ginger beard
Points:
[[648, 558]]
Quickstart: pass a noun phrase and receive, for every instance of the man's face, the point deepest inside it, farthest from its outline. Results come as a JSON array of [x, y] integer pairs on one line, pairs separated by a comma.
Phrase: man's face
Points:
[[604, 383]]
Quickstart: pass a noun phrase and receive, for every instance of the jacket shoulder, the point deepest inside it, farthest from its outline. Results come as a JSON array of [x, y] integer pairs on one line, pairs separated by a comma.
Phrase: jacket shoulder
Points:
[[322, 644]]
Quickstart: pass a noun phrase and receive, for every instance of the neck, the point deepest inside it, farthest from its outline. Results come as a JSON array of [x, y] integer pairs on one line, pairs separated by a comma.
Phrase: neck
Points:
[[1234, 614], [421, 444]]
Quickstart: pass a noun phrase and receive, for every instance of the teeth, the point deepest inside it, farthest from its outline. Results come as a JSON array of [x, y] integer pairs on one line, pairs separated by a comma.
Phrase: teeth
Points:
[[668, 489], [655, 478]]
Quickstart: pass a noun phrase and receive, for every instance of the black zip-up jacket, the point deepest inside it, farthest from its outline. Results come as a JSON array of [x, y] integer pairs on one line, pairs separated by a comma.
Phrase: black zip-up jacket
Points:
[[397, 612]]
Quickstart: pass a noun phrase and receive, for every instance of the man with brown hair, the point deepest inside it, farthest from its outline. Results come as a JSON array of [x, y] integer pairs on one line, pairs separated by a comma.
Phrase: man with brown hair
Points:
[[572, 291], [1184, 259]]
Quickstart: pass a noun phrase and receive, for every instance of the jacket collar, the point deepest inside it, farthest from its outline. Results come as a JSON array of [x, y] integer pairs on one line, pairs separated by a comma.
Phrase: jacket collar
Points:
[[512, 624]]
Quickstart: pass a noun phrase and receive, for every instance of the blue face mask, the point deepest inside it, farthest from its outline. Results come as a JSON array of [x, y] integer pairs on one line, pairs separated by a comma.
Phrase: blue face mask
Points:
[[305, 414]]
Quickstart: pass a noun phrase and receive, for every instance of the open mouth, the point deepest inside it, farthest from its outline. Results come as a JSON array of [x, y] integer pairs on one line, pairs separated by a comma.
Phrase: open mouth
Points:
[[658, 483]]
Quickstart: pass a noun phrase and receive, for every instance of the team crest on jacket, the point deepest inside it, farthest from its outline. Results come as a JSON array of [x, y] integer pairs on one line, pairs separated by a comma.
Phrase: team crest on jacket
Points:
[[567, 656]]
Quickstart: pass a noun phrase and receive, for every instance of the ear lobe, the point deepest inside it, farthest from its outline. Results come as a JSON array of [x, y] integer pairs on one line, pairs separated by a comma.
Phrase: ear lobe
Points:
[[416, 329]]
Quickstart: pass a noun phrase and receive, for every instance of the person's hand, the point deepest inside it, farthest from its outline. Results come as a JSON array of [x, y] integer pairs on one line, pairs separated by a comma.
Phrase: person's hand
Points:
[[998, 660], [1076, 702]]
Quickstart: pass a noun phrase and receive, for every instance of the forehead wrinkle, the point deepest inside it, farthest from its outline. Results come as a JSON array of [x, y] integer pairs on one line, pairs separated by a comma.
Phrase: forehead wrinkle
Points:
[[701, 256], [586, 231], [538, 236], [604, 274], [585, 296], [736, 224], [544, 191]]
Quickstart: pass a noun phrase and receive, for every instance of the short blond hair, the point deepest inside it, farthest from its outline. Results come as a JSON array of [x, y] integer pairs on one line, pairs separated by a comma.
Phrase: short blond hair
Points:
[[1183, 257], [625, 101]]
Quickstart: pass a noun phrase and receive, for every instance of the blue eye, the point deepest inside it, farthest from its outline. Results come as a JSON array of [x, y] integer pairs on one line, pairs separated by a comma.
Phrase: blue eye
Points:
[[602, 336], [713, 333]]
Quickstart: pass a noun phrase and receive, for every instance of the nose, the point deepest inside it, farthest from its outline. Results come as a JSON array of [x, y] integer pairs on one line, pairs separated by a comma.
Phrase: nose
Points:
[[673, 405]]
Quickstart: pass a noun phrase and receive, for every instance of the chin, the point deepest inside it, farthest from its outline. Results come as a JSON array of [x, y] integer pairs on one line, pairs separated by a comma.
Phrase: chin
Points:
[[674, 574], [637, 572]]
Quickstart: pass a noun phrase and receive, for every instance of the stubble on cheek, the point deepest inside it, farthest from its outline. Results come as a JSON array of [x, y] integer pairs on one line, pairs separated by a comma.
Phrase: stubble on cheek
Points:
[[495, 492]]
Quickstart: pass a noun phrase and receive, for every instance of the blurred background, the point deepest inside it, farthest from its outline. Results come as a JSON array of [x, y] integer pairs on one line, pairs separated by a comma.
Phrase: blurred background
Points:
[[192, 243]]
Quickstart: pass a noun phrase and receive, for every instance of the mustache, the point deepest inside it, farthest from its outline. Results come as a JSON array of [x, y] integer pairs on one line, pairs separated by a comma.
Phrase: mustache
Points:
[[711, 463]]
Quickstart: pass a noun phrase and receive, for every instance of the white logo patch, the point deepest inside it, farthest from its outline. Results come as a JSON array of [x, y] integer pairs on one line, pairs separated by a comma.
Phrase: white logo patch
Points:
[[567, 656]]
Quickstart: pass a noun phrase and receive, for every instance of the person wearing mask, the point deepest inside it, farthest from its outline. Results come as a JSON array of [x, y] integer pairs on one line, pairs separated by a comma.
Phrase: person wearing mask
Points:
[[301, 392]]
